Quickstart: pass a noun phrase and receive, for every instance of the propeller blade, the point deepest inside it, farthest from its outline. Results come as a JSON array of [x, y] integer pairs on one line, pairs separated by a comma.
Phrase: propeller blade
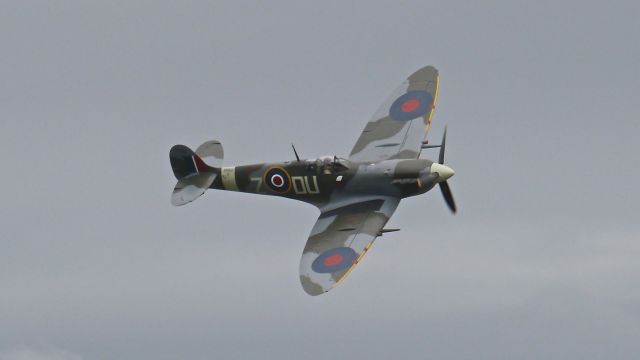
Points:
[[448, 197], [444, 138]]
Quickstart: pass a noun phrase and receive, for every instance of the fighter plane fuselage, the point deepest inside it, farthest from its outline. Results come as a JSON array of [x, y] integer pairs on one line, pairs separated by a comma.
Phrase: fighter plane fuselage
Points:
[[315, 181], [356, 196]]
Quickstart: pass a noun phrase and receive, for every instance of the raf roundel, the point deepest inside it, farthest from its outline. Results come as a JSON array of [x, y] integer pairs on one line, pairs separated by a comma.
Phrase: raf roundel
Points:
[[277, 180], [411, 105], [335, 259]]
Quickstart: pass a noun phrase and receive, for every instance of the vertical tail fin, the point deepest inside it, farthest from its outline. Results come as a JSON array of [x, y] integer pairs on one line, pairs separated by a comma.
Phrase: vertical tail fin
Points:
[[193, 174], [185, 162]]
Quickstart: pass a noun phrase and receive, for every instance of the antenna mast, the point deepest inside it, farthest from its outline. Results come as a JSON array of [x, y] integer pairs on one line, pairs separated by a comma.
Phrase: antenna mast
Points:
[[295, 152]]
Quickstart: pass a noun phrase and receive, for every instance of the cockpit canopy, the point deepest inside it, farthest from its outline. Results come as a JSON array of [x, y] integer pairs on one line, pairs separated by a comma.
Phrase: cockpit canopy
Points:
[[329, 164]]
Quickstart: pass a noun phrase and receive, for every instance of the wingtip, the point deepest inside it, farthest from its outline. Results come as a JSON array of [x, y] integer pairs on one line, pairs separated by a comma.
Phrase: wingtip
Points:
[[425, 74], [311, 288]]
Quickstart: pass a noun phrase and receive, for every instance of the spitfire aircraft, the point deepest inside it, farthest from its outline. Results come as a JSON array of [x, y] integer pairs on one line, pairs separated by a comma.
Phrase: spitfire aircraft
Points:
[[356, 195]]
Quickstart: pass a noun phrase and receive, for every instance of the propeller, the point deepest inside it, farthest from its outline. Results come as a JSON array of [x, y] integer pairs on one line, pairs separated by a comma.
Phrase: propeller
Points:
[[444, 187], [448, 197]]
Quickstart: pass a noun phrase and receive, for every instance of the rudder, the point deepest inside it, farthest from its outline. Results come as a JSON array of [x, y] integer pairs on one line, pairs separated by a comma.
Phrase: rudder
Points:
[[193, 174], [185, 162]]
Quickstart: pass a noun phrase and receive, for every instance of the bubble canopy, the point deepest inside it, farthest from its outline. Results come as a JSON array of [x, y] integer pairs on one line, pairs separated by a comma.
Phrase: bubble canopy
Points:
[[331, 163]]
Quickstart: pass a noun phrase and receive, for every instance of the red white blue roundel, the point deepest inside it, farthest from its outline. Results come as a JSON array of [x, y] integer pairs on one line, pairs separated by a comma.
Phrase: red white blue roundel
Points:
[[335, 259], [277, 180], [411, 105]]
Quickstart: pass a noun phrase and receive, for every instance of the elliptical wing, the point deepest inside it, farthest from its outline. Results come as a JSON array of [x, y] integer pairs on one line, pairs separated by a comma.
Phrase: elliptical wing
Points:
[[398, 128]]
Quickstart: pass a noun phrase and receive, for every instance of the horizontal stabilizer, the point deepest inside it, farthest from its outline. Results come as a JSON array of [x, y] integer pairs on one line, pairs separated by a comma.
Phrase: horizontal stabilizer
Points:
[[191, 187], [211, 152]]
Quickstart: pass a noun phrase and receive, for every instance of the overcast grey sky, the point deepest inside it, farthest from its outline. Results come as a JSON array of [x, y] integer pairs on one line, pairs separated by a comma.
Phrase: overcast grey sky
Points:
[[541, 100]]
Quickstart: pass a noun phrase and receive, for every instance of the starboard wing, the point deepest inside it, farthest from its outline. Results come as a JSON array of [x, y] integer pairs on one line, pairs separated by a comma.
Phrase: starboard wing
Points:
[[398, 128], [340, 238]]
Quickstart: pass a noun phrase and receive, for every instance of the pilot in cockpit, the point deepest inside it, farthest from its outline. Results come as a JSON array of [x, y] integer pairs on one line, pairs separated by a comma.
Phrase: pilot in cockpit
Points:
[[328, 165]]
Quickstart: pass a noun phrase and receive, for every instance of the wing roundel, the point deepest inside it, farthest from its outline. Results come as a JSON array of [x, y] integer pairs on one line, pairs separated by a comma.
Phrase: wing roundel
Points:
[[340, 238], [398, 128]]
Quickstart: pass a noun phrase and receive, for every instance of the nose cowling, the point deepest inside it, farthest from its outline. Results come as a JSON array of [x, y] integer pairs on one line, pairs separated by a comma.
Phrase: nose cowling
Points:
[[444, 172]]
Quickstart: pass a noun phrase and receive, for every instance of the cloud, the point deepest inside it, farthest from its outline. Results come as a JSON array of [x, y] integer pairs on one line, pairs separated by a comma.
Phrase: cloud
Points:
[[39, 354]]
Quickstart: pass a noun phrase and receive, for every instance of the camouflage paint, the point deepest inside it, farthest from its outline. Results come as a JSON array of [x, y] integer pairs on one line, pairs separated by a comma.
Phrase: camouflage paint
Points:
[[355, 196]]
